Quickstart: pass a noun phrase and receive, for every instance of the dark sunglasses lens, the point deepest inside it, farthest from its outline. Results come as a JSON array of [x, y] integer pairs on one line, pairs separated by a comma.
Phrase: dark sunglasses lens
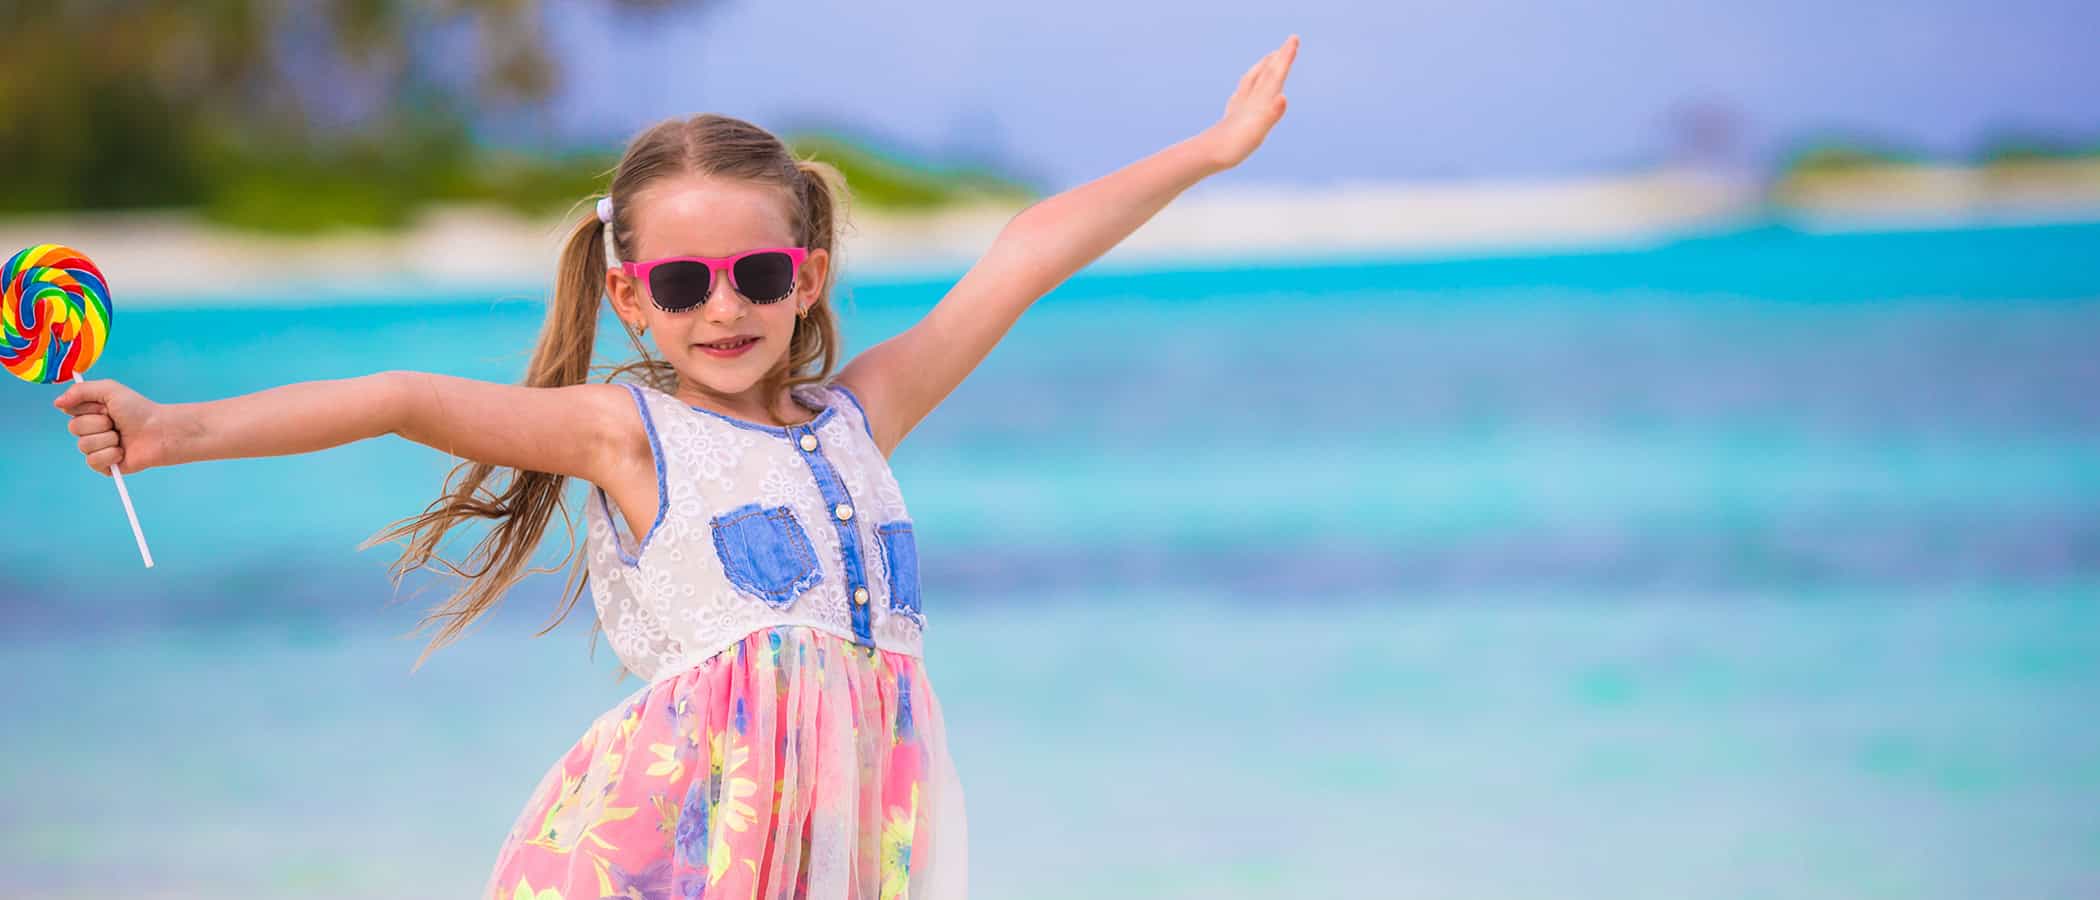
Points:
[[679, 285], [765, 277]]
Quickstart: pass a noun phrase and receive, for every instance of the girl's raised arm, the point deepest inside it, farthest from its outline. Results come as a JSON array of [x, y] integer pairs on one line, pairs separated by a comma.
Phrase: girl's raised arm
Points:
[[903, 378], [584, 430]]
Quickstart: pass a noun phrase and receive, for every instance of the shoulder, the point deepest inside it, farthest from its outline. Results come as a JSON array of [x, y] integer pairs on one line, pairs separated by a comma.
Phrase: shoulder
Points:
[[848, 400], [614, 407], [624, 422]]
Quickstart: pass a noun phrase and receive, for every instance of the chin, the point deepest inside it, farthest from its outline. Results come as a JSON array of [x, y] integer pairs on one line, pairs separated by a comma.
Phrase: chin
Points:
[[724, 377], [723, 383]]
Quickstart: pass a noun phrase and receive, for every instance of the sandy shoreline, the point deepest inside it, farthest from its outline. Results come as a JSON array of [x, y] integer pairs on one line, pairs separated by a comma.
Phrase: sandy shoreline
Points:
[[174, 259]]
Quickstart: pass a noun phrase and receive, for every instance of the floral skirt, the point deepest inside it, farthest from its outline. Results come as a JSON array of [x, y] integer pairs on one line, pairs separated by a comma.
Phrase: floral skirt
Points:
[[793, 765]]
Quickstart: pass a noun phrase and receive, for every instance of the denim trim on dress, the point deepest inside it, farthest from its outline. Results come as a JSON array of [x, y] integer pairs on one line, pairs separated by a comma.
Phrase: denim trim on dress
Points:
[[865, 425], [780, 526], [834, 493], [905, 602], [663, 492], [823, 416]]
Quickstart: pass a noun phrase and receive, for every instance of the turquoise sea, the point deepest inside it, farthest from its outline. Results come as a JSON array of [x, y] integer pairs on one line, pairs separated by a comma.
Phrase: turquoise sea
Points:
[[1762, 564]]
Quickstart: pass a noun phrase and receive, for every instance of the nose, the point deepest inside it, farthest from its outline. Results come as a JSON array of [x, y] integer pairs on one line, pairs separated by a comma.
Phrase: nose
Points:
[[723, 302]]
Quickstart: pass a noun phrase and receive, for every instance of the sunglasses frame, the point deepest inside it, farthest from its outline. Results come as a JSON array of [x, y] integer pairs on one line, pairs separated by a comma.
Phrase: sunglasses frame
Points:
[[718, 267]]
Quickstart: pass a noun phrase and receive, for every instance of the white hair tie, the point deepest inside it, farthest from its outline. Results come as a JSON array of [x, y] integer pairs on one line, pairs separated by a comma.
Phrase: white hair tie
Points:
[[605, 236]]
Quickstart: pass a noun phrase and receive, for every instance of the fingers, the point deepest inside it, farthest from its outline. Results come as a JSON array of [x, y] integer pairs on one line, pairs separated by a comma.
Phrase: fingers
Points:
[[75, 394], [92, 443], [79, 392], [89, 423], [101, 446], [1274, 67], [102, 460], [1267, 74], [1247, 80]]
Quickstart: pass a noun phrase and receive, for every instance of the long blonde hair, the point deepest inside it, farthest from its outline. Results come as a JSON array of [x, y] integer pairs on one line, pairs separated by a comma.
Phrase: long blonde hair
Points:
[[710, 145]]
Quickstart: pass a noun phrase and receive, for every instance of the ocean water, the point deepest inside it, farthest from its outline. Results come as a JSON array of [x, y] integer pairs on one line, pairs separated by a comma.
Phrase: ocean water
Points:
[[1763, 564]]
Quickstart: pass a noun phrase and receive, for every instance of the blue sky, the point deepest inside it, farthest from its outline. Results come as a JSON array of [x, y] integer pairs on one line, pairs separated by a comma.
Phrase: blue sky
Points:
[[1485, 88]]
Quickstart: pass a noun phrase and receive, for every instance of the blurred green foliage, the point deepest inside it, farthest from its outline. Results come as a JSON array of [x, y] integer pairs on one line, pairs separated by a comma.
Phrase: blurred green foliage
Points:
[[885, 178], [197, 104], [382, 180], [2021, 148], [1835, 155]]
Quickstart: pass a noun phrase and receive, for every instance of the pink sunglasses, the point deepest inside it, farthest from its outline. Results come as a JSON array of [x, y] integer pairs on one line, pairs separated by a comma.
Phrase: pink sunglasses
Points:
[[680, 283]]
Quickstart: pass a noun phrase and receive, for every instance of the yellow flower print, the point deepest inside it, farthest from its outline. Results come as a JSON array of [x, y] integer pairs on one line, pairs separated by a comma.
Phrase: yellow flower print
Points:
[[729, 812], [667, 763], [582, 806], [633, 720], [525, 892], [666, 813], [896, 848], [733, 811], [718, 859], [730, 808]]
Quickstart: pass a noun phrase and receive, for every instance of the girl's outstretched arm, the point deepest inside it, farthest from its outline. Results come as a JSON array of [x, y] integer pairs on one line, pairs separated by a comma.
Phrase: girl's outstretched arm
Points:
[[585, 430], [902, 379]]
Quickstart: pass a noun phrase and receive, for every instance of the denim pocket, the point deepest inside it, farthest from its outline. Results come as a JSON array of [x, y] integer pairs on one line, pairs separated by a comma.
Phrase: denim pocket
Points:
[[765, 552], [900, 556]]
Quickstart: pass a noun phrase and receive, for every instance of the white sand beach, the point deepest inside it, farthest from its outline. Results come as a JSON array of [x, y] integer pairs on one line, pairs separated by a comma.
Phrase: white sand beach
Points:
[[171, 257]]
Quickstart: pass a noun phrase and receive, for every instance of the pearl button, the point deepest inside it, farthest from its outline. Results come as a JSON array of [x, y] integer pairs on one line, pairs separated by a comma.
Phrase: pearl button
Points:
[[809, 442], [844, 512], [860, 596]]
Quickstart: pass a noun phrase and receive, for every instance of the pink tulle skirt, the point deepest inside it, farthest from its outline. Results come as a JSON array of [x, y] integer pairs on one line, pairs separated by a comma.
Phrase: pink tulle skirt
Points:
[[793, 765]]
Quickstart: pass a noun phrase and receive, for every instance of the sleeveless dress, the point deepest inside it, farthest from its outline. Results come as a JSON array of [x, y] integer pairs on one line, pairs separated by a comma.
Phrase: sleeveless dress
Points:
[[788, 744]]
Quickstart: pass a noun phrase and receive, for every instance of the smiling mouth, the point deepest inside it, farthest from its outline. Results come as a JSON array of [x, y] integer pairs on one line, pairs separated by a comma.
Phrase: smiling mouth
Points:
[[729, 345]]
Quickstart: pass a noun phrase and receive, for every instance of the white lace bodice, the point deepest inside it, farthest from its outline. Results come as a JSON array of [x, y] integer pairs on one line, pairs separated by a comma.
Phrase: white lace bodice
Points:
[[757, 526]]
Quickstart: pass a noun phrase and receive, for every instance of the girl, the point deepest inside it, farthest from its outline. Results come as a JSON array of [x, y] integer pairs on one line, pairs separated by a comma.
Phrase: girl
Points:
[[747, 550]]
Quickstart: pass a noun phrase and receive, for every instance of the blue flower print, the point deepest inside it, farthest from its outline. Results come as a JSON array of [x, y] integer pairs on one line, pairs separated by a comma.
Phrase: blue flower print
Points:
[[903, 707], [691, 839], [652, 883]]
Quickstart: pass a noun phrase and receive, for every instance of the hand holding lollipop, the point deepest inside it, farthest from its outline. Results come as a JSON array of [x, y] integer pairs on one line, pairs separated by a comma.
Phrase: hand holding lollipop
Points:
[[54, 322]]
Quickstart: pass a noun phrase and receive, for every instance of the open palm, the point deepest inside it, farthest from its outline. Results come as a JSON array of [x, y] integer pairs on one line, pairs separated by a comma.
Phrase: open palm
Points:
[[1255, 106]]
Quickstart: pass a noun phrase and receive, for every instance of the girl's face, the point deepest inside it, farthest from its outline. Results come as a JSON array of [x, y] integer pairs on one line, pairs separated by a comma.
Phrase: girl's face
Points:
[[693, 215]]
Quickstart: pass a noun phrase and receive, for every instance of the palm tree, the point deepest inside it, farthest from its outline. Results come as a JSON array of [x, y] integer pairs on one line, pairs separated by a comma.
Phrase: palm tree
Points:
[[117, 104]]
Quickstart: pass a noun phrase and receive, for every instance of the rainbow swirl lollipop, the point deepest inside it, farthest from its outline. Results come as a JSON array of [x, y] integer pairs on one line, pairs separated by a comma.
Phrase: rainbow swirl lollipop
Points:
[[54, 314], [54, 322]]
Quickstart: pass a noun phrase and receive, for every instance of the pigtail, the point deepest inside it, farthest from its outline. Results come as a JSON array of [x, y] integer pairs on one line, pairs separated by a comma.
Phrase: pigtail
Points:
[[820, 198], [527, 501]]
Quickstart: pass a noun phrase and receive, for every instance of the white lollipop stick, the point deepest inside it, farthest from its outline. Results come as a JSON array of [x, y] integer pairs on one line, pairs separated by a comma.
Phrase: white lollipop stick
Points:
[[125, 495]]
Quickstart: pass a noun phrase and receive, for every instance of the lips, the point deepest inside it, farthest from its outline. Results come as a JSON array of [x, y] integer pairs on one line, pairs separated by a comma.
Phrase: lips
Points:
[[731, 343]]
